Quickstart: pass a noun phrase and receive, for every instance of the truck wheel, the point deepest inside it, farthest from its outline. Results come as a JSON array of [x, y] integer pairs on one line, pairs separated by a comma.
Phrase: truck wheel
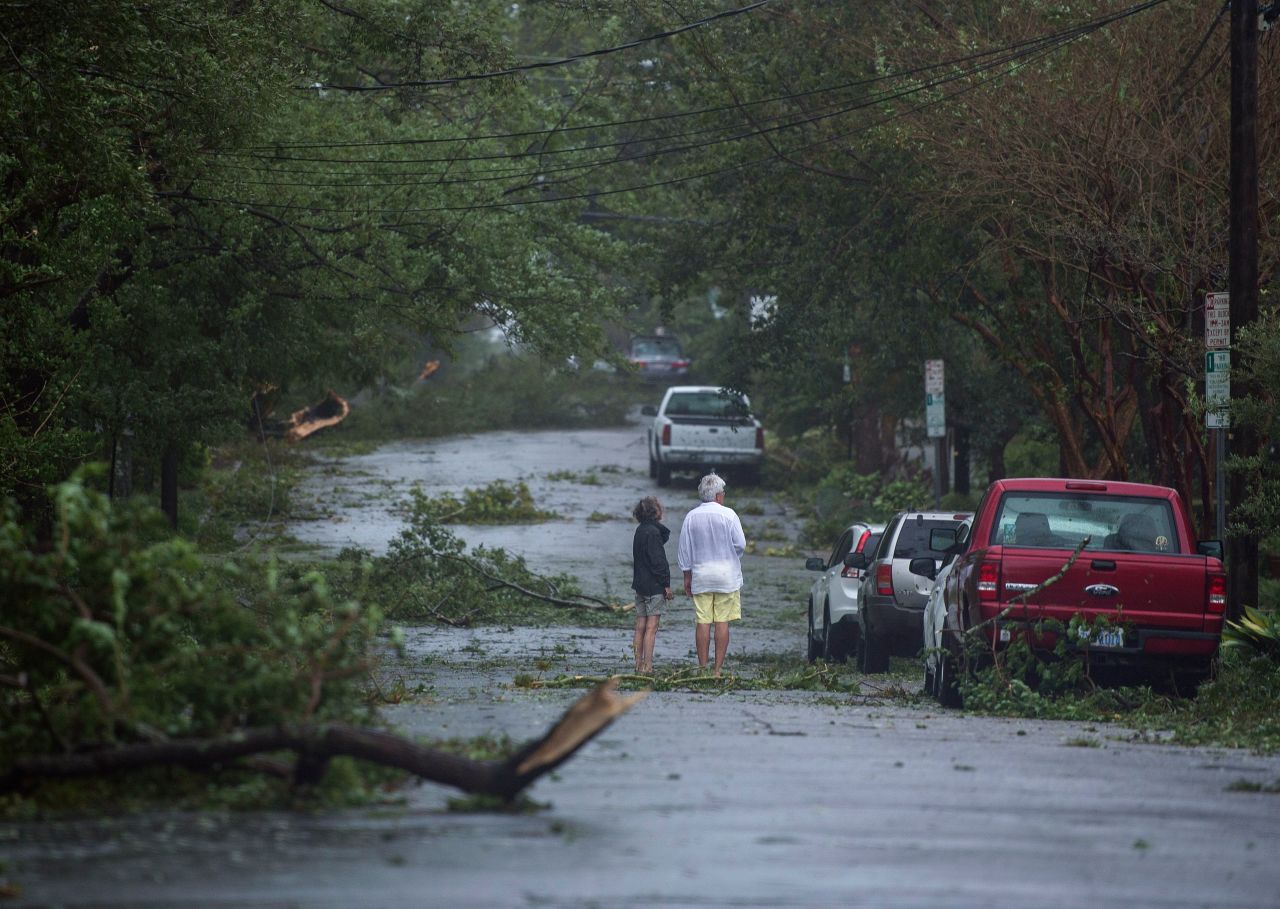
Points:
[[814, 650], [873, 656], [835, 644], [664, 474]]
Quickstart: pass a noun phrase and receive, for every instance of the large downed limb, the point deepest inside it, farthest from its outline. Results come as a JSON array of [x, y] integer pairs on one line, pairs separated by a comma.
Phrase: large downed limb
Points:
[[580, 600], [316, 743]]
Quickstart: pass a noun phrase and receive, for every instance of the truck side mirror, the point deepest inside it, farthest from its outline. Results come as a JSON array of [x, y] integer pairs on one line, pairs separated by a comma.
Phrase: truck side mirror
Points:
[[814, 564], [648, 411], [1210, 548], [856, 560], [923, 566]]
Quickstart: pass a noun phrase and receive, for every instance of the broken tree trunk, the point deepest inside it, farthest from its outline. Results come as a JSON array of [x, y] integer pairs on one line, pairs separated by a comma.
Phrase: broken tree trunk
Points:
[[316, 743]]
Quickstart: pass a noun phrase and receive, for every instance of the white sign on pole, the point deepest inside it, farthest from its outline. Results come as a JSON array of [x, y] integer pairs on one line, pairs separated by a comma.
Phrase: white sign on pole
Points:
[[1217, 321], [935, 402], [933, 377], [1217, 388]]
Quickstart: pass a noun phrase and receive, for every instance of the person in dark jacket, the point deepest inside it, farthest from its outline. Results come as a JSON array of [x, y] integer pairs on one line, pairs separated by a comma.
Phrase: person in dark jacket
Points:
[[650, 577]]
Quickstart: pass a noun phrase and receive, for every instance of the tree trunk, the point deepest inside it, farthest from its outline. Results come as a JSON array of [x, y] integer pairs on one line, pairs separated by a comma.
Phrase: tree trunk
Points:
[[961, 455], [169, 484]]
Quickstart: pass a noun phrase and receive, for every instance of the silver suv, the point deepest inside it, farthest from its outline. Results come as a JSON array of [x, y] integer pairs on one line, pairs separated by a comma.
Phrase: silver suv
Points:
[[891, 599]]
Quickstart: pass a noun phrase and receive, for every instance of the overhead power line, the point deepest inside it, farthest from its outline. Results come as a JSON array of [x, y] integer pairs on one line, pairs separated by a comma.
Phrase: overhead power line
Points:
[[792, 121], [1020, 60], [1011, 61], [1087, 26], [527, 67]]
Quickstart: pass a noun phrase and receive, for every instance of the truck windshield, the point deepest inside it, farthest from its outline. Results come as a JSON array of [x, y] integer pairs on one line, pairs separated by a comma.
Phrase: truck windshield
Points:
[[706, 404], [1060, 520]]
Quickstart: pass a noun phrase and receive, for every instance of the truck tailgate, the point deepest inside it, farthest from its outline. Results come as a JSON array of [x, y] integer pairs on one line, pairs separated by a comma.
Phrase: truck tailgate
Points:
[[712, 434], [1160, 590]]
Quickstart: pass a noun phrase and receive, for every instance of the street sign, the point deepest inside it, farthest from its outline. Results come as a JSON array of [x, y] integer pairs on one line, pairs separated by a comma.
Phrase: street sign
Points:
[[1217, 388], [1217, 321], [935, 416], [933, 377], [935, 401]]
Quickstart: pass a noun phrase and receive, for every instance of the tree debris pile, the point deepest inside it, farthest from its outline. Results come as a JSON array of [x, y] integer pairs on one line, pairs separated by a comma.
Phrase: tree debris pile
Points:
[[120, 654]]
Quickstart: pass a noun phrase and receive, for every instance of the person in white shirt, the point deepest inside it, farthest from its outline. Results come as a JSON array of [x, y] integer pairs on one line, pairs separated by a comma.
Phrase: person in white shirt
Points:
[[710, 555]]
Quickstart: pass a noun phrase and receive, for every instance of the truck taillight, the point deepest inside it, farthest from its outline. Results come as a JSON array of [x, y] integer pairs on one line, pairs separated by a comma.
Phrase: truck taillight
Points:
[[884, 580], [666, 434], [1217, 599], [760, 437], [988, 580], [679, 364]]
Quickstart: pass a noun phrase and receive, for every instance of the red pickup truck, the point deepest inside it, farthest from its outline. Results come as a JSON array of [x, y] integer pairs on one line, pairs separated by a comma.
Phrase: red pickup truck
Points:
[[1141, 567]]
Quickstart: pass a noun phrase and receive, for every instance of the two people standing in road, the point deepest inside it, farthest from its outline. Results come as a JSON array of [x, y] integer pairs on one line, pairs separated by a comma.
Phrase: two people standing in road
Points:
[[650, 577], [710, 556]]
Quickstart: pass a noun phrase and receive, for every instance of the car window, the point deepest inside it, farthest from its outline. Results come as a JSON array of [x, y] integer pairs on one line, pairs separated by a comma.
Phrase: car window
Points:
[[882, 545], [913, 540], [1060, 520], [872, 544], [842, 547], [706, 404], [655, 347]]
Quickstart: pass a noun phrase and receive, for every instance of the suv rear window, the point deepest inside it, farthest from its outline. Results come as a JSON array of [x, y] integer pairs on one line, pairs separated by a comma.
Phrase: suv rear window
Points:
[[913, 539], [1060, 520]]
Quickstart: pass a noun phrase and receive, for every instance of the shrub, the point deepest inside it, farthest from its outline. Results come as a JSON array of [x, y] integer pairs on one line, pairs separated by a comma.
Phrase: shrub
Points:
[[107, 638]]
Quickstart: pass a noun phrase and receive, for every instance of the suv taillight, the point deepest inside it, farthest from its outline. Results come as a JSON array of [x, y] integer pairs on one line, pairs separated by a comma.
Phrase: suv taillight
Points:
[[666, 434], [1217, 598], [884, 579], [988, 580], [760, 437]]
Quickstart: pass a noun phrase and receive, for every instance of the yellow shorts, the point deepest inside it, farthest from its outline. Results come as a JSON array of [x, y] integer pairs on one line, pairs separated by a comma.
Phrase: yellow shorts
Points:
[[717, 607]]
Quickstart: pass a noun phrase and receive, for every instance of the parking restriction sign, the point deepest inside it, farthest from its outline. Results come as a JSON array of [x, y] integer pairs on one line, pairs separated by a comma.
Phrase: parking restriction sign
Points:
[[1217, 321]]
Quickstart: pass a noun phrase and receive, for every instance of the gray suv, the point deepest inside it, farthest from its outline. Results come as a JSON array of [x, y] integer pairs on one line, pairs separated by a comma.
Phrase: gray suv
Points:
[[891, 599]]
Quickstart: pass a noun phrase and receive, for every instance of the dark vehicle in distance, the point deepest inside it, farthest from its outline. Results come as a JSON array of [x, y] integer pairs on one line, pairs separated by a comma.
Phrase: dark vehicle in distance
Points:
[[658, 357], [1162, 592]]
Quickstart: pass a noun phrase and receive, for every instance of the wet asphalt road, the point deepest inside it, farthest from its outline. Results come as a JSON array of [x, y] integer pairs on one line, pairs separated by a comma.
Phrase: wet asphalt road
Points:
[[746, 799]]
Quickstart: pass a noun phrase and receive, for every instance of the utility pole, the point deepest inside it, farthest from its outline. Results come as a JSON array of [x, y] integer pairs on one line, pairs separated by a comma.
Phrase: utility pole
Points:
[[1242, 551]]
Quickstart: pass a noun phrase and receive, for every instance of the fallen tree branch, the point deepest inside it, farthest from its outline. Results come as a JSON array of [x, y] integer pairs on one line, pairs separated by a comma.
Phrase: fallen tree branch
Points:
[[593, 603], [79, 666], [316, 743]]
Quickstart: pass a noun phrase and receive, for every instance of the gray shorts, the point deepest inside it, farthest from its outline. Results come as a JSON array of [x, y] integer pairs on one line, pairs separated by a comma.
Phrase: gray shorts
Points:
[[646, 606]]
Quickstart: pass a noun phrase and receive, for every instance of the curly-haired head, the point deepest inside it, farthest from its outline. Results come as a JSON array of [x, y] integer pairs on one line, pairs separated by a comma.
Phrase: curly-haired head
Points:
[[647, 509]]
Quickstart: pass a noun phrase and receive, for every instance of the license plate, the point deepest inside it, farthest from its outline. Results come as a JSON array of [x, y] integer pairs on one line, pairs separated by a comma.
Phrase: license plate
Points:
[[1106, 638]]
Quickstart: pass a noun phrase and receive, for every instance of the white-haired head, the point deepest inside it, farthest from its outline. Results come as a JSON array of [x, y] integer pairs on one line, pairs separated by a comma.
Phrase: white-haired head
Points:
[[709, 487]]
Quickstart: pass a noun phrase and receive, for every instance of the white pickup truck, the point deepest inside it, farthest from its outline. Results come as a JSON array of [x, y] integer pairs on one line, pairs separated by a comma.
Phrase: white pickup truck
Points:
[[703, 426]]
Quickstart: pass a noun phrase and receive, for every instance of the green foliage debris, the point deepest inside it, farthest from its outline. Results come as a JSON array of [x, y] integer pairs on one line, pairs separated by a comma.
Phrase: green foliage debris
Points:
[[498, 502]]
